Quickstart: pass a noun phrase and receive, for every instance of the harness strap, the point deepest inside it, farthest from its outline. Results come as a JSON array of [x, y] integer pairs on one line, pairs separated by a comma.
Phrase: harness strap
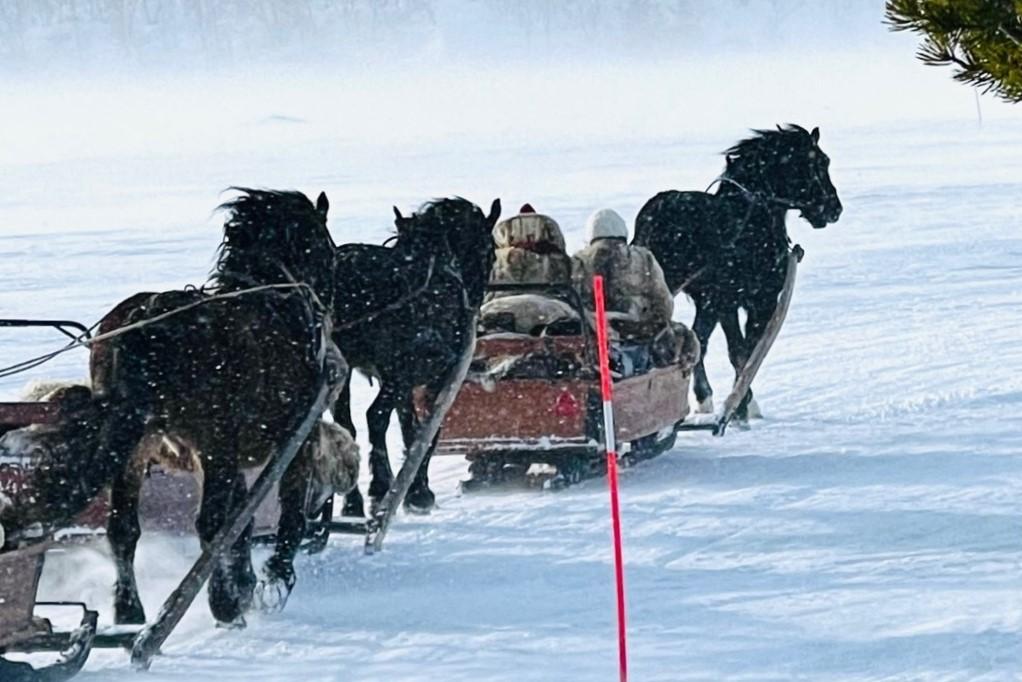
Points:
[[761, 197]]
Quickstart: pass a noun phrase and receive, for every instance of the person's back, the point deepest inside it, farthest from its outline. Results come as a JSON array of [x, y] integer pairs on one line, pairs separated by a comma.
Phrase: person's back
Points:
[[639, 304], [529, 250]]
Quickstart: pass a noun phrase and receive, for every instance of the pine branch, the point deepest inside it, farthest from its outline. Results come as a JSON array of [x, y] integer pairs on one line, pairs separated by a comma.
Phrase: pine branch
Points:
[[980, 39]]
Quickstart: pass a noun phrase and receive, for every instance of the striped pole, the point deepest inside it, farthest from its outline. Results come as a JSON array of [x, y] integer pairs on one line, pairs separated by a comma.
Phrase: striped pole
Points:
[[606, 389]]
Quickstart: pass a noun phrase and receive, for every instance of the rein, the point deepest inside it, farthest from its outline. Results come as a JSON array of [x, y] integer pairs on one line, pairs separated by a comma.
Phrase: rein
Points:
[[754, 199], [760, 197], [82, 342]]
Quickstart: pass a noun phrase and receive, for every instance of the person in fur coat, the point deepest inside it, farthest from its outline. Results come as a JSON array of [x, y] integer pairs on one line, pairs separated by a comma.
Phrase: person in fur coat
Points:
[[529, 249], [639, 304]]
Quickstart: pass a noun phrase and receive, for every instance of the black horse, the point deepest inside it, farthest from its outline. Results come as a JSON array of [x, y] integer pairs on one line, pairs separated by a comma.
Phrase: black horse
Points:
[[419, 299], [228, 380], [728, 250]]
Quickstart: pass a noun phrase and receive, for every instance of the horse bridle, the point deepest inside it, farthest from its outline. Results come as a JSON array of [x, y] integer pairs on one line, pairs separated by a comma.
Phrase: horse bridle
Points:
[[761, 197]]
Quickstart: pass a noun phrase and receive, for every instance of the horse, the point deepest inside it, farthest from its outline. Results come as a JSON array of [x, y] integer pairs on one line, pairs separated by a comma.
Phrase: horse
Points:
[[728, 250], [228, 371], [427, 289]]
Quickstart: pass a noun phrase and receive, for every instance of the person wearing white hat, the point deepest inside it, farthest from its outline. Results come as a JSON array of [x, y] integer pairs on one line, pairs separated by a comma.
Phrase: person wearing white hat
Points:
[[639, 304]]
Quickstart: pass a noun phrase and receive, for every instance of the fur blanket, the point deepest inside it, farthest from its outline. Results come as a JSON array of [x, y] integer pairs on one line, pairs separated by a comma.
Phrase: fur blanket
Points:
[[524, 313], [331, 459]]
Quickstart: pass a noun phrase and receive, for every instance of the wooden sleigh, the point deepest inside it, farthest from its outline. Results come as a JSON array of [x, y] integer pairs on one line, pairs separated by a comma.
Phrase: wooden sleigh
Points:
[[530, 408], [22, 631], [548, 410]]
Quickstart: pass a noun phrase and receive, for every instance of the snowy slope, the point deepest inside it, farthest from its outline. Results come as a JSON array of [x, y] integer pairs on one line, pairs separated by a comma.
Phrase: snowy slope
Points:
[[869, 528]]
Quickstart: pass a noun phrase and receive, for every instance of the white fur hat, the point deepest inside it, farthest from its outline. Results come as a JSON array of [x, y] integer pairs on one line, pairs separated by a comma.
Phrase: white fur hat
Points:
[[606, 224]]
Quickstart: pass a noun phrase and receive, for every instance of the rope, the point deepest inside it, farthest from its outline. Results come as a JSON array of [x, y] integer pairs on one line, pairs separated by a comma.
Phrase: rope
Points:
[[31, 363], [39, 360]]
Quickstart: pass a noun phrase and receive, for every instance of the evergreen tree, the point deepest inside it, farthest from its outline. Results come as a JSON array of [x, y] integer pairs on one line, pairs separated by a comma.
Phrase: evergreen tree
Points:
[[981, 39]]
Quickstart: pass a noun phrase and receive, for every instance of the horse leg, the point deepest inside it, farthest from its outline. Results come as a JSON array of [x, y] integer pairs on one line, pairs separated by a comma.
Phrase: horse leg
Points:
[[342, 407], [755, 326], [354, 505], [702, 327], [120, 434], [243, 577], [737, 350], [123, 532], [233, 580], [278, 572], [378, 419], [420, 499]]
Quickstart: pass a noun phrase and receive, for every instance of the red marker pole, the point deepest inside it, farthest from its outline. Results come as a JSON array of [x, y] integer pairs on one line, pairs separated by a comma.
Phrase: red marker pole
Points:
[[615, 508]]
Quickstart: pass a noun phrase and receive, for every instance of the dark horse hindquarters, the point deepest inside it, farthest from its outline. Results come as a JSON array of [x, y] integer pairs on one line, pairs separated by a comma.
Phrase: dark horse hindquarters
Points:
[[728, 250]]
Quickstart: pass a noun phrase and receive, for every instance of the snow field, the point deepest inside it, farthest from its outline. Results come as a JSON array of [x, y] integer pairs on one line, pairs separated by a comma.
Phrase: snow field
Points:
[[869, 528]]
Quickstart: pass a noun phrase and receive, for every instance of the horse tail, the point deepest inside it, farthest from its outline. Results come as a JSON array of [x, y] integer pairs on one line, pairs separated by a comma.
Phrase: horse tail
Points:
[[93, 439], [123, 400]]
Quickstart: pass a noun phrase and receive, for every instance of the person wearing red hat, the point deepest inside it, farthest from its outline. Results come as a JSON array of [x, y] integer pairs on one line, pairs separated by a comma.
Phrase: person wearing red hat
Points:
[[530, 249]]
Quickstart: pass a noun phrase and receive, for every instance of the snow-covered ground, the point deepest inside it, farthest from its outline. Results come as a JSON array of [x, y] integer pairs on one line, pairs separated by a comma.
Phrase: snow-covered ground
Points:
[[869, 528]]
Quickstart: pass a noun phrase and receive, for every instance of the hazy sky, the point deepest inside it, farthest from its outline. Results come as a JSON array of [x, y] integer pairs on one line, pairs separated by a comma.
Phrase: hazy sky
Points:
[[218, 34]]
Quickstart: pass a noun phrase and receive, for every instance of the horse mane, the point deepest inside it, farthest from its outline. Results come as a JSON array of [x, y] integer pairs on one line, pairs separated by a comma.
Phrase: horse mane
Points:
[[437, 225], [445, 214], [470, 239], [272, 237], [787, 136]]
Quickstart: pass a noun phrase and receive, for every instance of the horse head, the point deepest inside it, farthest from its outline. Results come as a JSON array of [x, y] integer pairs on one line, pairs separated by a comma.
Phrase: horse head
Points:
[[787, 167], [273, 237], [463, 227]]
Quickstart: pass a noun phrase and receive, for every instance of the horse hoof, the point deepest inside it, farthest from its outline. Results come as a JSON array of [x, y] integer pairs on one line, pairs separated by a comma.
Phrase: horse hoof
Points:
[[134, 615], [129, 612], [236, 624], [705, 406], [420, 501], [354, 505], [271, 595], [753, 410]]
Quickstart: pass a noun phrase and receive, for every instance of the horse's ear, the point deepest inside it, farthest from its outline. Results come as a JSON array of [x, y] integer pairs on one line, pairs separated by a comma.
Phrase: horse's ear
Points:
[[397, 215], [322, 204], [494, 213], [815, 134]]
